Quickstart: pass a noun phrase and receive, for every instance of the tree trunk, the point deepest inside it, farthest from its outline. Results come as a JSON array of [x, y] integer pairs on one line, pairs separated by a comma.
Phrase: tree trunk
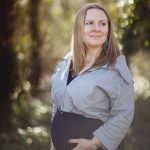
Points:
[[35, 59], [8, 64]]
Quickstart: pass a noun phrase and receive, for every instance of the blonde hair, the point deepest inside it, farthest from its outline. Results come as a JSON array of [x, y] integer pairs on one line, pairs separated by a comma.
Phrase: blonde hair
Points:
[[78, 46]]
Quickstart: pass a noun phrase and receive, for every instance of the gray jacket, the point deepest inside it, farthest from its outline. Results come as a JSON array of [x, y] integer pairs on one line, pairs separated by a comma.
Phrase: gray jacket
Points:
[[104, 93]]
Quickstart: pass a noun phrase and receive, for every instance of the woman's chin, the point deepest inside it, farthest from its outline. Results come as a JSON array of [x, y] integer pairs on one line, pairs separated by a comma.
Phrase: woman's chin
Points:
[[95, 45]]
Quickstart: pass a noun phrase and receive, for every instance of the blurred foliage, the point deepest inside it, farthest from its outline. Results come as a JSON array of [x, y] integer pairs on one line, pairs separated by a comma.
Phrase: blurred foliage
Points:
[[31, 130], [138, 135], [136, 36], [46, 31]]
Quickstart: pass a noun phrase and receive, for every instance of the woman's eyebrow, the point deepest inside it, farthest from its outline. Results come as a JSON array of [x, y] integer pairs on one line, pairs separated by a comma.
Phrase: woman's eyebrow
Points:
[[93, 20]]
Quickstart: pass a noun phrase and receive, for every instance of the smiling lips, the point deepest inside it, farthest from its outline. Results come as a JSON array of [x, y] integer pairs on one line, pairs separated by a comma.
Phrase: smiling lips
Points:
[[95, 36]]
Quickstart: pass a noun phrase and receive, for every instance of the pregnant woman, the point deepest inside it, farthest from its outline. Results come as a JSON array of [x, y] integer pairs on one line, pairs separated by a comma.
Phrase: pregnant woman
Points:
[[91, 88]]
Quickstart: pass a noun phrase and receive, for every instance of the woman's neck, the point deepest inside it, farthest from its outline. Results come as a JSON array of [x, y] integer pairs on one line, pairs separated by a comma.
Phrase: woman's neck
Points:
[[91, 56]]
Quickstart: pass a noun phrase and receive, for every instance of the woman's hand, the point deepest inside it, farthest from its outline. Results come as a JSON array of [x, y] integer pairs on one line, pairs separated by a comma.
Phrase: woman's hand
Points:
[[83, 144]]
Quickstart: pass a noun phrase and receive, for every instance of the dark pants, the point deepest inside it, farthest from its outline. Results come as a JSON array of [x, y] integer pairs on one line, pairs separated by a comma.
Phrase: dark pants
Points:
[[67, 126]]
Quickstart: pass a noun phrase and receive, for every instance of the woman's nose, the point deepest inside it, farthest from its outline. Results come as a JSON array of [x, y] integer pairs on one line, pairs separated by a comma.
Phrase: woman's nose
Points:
[[97, 27]]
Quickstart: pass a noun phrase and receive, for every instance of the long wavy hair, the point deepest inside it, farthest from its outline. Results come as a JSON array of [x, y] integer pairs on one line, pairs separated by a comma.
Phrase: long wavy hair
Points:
[[108, 54]]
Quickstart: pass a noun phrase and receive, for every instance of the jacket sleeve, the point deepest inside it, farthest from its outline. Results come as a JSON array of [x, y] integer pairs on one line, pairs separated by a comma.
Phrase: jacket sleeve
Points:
[[121, 114], [60, 67], [54, 109]]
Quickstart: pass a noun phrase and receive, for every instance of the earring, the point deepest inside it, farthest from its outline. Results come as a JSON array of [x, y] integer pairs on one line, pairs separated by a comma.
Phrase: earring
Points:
[[105, 46]]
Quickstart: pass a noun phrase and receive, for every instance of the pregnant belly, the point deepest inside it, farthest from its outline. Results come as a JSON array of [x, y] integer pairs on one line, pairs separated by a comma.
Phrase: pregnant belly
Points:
[[66, 126]]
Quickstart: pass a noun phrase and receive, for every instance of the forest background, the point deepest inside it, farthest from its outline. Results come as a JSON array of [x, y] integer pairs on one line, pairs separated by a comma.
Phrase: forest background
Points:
[[34, 34]]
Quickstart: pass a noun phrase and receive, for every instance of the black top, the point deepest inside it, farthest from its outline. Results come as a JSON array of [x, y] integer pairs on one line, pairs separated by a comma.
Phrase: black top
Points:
[[70, 77]]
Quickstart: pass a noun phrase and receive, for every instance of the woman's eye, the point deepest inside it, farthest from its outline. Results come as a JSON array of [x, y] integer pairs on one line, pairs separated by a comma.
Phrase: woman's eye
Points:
[[103, 23], [88, 23]]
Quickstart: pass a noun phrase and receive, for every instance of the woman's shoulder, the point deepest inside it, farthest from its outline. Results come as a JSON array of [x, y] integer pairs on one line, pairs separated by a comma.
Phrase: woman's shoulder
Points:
[[122, 68], [67, 56], [62, 63]]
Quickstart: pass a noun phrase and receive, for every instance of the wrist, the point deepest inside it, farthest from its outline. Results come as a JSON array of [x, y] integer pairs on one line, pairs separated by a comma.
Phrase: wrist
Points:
[[95, 143]]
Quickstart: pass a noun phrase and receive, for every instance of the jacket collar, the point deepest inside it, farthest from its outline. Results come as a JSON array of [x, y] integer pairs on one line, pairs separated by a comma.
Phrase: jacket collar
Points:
[[67, 64], [120, 66]]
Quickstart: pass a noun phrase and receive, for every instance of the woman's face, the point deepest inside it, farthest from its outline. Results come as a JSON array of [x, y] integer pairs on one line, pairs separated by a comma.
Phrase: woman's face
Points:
[[95, 28]]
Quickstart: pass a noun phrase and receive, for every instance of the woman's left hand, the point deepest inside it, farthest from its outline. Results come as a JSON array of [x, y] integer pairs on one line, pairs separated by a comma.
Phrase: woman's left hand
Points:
[[82, 144]]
